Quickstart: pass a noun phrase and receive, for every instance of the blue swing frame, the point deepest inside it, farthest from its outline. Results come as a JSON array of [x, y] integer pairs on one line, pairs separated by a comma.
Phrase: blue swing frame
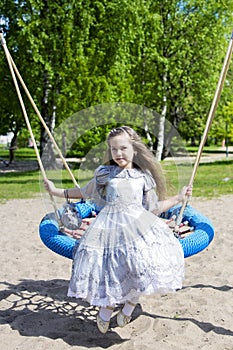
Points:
[[192, 244]]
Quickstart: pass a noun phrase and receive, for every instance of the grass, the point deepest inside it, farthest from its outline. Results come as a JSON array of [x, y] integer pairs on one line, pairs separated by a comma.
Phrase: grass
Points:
[[20, 153], [19, 185], [212, 179]]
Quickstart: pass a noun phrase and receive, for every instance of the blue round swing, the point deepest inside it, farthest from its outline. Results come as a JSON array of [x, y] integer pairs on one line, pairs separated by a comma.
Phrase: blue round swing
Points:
[[203, 231], [194, 243]]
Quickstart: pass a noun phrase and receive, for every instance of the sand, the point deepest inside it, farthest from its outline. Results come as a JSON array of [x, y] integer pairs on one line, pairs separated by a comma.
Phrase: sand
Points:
[[36, 314]]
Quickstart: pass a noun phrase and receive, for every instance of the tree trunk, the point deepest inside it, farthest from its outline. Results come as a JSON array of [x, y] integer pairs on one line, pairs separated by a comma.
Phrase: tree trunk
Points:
[[13, 143], [162, 119], [64, 144], [49, 115], [177, 116], [13, 147], [150, 142]]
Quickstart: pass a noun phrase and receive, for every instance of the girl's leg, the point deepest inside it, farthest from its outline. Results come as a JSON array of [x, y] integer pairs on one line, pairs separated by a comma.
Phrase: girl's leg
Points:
[[128, 308], [103, 318], [106, 313]]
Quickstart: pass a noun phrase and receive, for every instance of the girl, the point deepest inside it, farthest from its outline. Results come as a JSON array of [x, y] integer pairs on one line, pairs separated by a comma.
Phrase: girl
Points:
[[127, 251]]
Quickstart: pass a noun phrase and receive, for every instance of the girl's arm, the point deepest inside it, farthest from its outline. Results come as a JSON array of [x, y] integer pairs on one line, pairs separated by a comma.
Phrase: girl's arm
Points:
[[60, 192], [170, 202]]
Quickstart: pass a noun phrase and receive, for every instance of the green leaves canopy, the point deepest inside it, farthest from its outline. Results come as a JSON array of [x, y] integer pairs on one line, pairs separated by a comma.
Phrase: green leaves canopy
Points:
[[76, 54]]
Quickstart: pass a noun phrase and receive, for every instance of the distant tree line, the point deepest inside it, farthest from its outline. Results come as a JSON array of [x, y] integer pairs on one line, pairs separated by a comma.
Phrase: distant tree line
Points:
[[164, 55]]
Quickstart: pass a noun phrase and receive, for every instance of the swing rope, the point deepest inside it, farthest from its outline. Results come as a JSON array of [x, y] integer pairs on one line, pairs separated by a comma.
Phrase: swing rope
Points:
[[26, 119], [212, 111], [40, 117], [13, 70]]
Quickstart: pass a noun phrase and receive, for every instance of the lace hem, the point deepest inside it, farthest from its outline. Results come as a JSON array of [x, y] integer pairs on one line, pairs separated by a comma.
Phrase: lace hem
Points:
[[124, 278]]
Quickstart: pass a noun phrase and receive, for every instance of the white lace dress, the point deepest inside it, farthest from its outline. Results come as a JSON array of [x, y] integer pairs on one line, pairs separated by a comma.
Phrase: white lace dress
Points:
[[127, 251]]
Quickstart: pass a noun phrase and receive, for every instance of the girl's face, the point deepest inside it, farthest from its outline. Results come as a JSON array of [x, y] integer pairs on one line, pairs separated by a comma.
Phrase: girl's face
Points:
[[122, 151]]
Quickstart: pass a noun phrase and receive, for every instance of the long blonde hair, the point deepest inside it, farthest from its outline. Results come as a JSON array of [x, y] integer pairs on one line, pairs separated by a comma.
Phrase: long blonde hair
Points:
[[143, 158]]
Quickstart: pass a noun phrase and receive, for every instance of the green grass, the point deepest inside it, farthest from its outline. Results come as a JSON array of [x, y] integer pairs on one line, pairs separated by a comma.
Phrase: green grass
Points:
[[212, 179], [215, 179], [29, 184], [19, 185], [20, 153]]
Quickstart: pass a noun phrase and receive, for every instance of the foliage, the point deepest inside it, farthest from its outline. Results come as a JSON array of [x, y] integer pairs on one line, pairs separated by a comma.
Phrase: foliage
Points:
[[202, 51], [77, 54], [222, 126]]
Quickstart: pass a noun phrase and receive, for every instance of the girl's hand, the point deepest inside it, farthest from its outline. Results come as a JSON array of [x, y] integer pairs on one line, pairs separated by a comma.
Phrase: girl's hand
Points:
[[185, 191], [189, 191], [49, 186], [77, 234]]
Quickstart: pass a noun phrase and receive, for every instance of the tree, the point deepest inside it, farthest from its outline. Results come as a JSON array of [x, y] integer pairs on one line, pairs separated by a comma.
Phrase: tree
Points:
[[77, 54], [192, 58], [39, 34]]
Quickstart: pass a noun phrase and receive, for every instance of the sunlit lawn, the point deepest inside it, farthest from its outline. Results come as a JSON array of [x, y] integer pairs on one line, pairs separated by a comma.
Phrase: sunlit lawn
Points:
[[212, 179]]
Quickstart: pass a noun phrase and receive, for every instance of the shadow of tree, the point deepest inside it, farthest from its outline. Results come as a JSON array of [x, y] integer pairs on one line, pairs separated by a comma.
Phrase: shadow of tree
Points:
[[41, 308], [204, 326], [224, 288]]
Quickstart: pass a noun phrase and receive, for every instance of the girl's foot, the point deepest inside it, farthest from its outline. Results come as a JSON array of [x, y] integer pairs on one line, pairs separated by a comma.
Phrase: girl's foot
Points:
[[124, 315], [103, 318], [122, 319], [102, 325]]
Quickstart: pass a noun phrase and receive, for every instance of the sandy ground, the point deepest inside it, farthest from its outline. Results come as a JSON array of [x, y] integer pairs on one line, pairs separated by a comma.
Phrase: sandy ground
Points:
[[36, 314]]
